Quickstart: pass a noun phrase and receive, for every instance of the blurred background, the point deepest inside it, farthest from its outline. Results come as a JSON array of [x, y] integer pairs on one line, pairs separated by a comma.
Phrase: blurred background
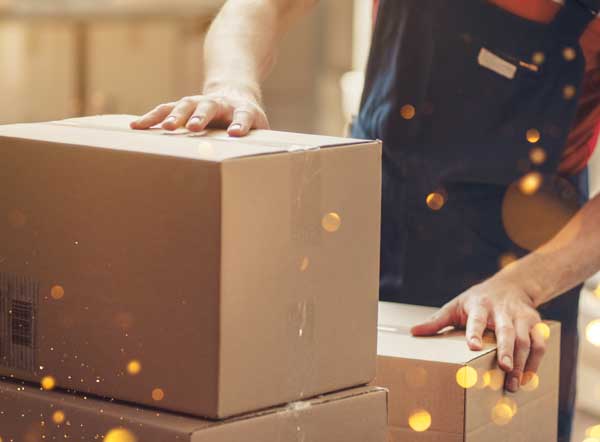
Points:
[[64, 58]]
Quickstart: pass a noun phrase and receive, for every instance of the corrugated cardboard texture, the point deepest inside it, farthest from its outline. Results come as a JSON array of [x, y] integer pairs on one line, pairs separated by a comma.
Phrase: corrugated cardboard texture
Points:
[[419, 380], [217, 276], [28, 415]]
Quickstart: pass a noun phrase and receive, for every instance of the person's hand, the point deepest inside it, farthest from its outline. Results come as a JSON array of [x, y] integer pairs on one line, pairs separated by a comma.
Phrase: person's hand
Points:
[[236, 111], [502, 306]]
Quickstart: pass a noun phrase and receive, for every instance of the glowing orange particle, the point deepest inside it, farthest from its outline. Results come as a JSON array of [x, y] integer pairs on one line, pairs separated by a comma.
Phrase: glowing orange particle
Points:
[[569, 91], [48, 383], [134, 367], [435, 200], [119, 435], [331, 222], [58, 417], [530, 382], [537, 155], [57, 292], [420, 421], [543, 330], [569, 54], [466, 377], [158, 394], [408, 112], [533, 135], [538, 58], [530, 183]]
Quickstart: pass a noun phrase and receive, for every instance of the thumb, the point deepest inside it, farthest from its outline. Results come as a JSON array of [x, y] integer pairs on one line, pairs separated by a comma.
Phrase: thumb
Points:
[[442, 319]]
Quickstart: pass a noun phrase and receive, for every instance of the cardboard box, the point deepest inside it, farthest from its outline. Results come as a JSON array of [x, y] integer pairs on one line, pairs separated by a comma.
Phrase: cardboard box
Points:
[[198, 274], [439, 390], [31, 415]]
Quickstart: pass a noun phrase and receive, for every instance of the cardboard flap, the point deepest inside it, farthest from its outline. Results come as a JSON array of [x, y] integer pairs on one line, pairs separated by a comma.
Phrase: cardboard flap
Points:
[[113, 132]]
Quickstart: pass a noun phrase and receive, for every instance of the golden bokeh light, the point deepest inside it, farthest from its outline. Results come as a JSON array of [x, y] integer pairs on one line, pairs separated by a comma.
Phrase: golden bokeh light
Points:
[[57, 292], [119, 435], [543, 330], [569, 91], [597, 291], [538, 58], [408, 111], [420, 420], [483, 380], [331, 222], [537, 155], [569, 54], [48, 383], [593, 431], [435, 200], [530, 183], [304, 264], [158, 394], [506, 259], [502, 414], [510, 403], [592, 332], [496, 379], [530, 382], [466, 377], [58, 417], [533, 136], [134, 367]]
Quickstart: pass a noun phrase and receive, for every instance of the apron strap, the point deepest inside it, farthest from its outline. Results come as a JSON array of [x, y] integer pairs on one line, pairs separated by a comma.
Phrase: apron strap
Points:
[[572, 20]]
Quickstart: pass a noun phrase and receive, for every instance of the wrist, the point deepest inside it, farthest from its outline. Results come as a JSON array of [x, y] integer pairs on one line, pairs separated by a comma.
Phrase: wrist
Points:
[[243, 89], [527, 280]]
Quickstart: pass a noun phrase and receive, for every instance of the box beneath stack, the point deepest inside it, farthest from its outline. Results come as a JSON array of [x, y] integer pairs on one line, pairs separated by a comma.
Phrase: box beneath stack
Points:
[[192, 272], [31, 415], [440, 391]]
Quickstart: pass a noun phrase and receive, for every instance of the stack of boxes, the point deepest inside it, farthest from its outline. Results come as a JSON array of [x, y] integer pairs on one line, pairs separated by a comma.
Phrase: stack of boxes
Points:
[[229, 283]]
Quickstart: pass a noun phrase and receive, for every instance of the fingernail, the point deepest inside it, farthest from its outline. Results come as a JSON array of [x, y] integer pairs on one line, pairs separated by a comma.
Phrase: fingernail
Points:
[[514, 384], [170, 119], [235, 127], [196, 120], [507, 360], [475, 340]]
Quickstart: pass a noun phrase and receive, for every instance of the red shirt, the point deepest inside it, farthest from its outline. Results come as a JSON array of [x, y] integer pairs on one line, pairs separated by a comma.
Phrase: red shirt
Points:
[[585, 132]]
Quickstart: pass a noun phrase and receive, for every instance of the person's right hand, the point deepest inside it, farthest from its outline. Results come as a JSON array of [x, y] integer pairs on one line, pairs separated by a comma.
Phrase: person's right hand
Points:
[[238, 112]]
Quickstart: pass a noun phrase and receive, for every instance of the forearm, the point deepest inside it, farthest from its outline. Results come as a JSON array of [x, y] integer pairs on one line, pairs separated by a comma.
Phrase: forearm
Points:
[[241, 43], [571, 257]]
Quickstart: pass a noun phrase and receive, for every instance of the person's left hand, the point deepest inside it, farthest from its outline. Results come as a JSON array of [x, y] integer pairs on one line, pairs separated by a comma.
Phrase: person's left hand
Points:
[[500, 305]]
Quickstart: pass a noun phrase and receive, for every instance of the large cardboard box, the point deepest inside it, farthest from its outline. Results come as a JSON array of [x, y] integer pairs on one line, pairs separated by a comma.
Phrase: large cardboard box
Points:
[[439, 390], [31, 415], [195, 273]]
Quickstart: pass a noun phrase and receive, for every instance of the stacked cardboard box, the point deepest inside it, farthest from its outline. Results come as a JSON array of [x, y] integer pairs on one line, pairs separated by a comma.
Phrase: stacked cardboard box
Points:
[[439, 390], [194, 273]]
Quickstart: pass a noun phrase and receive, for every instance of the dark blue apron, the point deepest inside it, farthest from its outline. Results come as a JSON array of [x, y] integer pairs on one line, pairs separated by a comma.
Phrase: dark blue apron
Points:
[[453, 127]]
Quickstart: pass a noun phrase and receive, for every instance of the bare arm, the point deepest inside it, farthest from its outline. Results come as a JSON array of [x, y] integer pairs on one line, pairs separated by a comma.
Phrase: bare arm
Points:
[[507, 301], [239, 52]]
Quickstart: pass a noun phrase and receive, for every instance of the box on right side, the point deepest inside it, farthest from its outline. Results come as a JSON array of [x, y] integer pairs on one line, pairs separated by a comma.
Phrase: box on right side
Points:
[[439, 390]]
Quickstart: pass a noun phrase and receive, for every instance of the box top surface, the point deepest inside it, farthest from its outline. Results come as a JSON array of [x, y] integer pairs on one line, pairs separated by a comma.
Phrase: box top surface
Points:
[[395, 340], [179, 424], [113, 132]]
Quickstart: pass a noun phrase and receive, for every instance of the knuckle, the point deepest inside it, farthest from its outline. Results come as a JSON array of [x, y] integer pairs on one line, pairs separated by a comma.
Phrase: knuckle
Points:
[[505, 329], [523, 343], [539, 347], [188, 100]]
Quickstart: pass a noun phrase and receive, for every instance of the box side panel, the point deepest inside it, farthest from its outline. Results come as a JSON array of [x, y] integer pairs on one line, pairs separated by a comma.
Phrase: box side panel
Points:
[[407, 435], [123, 249], [300, 275], [30, 415], [353, 419], [536, 421], [488, 396], [418, 389]]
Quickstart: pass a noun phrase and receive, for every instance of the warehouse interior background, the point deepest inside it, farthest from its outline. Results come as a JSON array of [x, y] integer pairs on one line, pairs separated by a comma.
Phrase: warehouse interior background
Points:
[[64, 58]]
